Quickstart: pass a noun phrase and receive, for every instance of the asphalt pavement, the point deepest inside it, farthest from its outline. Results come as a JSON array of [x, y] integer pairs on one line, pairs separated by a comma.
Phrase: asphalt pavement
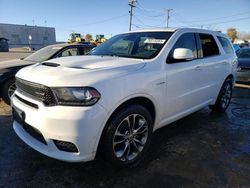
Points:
[[201, 150]]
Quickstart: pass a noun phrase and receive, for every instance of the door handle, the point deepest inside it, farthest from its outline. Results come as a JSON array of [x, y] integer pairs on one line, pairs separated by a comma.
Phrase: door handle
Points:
[[198, 67]]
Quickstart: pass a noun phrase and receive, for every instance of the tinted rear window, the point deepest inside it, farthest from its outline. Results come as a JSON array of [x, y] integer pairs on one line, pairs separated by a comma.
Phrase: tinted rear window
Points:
[[226, 45], [208, 45]]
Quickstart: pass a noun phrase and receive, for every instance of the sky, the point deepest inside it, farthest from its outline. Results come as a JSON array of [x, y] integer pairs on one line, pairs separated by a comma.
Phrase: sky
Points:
[[111, 17]]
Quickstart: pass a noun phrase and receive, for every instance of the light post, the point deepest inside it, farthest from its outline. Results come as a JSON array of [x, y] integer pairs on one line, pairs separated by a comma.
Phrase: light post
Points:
[[30, 39]]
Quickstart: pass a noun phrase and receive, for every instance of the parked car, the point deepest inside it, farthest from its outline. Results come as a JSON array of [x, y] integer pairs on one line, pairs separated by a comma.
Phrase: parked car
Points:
[[8, 69], [114, 99], [243, 72], [236, 47]]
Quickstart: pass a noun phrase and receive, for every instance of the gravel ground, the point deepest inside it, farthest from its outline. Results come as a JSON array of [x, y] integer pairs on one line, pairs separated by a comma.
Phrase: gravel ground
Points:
[[201, 150], [13, 55]]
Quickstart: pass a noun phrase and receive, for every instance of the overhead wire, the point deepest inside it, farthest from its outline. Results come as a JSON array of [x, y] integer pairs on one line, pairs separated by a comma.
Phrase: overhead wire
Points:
[[97, 22], [228, 21]]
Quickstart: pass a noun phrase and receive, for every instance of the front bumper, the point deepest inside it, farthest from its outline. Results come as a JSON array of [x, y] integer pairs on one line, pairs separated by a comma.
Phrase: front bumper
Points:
[[81, 126]]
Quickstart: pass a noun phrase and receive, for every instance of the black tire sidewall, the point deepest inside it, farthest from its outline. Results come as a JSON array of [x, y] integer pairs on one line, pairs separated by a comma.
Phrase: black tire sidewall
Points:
[[107, 144], [218, 105], [6, 86]]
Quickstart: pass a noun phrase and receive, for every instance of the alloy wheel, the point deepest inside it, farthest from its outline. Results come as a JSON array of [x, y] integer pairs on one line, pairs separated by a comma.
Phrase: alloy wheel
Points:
[[130, 137], [226, 96], [11, 89]]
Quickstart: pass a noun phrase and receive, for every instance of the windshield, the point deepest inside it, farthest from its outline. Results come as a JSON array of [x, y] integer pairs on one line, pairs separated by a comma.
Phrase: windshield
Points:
[[143, 45], [244, 53], [43, 54]]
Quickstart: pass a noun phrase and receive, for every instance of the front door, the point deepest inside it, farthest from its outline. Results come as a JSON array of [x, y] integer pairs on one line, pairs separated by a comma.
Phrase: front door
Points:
[[184, 80]]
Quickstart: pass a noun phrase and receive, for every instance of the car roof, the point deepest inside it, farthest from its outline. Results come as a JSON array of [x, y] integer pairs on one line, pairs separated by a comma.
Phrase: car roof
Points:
[[72, 44], [172, 29]]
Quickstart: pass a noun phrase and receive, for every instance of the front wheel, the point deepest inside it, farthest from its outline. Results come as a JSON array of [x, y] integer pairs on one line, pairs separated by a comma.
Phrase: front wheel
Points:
[[9, 88], [224, 97], [128, 136]]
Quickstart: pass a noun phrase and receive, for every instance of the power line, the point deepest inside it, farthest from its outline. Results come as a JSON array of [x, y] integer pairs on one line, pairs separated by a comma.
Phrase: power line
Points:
[[146, 25], [147, 9], [149, 14], [218, 18], [221, 22], [189, 23], [97, 22]]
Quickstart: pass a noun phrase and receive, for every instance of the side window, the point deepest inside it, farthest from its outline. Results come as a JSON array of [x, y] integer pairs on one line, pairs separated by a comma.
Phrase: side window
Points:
[[69, 52], [226, 45], [208, 45], [186, 40], [86, 50]]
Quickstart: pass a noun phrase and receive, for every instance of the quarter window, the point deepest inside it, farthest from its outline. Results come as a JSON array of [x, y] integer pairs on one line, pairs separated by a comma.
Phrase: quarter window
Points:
[[226, 45], [208, 45]]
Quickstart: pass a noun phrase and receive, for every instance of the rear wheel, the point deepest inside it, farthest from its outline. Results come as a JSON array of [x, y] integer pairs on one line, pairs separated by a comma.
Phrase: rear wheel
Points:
[[224, 97], [128, 136], [9, 88]]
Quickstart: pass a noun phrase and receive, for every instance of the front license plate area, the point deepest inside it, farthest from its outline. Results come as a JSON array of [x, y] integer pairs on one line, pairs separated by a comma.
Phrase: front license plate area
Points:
[[18, 115]]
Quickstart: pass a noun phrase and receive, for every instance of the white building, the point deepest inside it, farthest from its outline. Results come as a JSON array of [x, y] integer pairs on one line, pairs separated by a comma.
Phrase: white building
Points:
[[18, 35]]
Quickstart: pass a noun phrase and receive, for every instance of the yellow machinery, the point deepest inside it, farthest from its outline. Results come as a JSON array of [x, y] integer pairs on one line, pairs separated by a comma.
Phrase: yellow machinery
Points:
[[75, 38], [100, 39]]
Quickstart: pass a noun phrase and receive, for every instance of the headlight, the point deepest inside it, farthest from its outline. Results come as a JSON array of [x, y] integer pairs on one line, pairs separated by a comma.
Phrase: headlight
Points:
[[76, 96]]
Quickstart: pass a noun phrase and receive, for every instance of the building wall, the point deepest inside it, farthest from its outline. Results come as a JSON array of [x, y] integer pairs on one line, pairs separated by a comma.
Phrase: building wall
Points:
[[18, 35]]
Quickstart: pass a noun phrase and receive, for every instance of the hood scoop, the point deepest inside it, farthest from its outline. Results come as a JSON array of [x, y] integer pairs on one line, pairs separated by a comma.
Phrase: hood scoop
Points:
[[50, 64]]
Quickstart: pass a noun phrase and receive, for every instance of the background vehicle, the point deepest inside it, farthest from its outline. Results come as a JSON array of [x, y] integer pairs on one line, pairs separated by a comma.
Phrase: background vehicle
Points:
[[236, 47], [8, 69], [75, 38], [243, 72], [113, 100]]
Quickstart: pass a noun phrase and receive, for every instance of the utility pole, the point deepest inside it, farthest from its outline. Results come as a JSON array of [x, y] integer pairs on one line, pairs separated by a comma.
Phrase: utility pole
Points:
[[168, 17], [131, 3]]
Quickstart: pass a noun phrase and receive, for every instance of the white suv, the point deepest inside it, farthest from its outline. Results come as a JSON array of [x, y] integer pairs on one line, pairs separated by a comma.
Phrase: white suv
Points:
[[114, 99]]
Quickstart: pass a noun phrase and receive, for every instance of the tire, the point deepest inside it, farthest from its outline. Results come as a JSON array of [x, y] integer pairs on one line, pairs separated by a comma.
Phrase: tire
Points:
[[224, 97], [124, 145], [9, 87]]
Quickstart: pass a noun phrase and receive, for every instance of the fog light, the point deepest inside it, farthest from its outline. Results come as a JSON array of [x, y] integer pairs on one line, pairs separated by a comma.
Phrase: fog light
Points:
[[66, 146]]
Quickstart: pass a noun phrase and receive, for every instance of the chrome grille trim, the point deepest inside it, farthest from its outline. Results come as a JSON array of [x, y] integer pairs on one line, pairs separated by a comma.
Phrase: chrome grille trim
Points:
[[36, 91]]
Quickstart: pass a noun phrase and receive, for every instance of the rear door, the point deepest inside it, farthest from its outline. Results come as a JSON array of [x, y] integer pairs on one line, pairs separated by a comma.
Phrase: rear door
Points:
[[214, 65]]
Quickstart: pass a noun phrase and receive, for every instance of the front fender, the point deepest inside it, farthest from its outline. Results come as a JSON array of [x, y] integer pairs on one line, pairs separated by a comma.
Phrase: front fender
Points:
[[118, 104]]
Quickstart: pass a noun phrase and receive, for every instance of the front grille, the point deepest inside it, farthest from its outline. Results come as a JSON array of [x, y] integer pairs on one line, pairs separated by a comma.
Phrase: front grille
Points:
[[36, 91], [245, 68]]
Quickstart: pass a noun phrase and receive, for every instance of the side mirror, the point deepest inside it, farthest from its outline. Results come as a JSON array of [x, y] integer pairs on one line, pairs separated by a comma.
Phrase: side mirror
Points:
[[184, 54]]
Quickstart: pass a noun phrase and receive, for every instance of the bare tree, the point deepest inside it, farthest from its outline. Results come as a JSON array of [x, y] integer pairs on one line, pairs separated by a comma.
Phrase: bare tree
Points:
[[88, 37], [232, 33]]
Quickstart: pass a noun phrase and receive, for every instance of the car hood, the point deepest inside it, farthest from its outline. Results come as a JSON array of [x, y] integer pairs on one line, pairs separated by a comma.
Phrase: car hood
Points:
[[14, 63], [79, 70], [244, 62]]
